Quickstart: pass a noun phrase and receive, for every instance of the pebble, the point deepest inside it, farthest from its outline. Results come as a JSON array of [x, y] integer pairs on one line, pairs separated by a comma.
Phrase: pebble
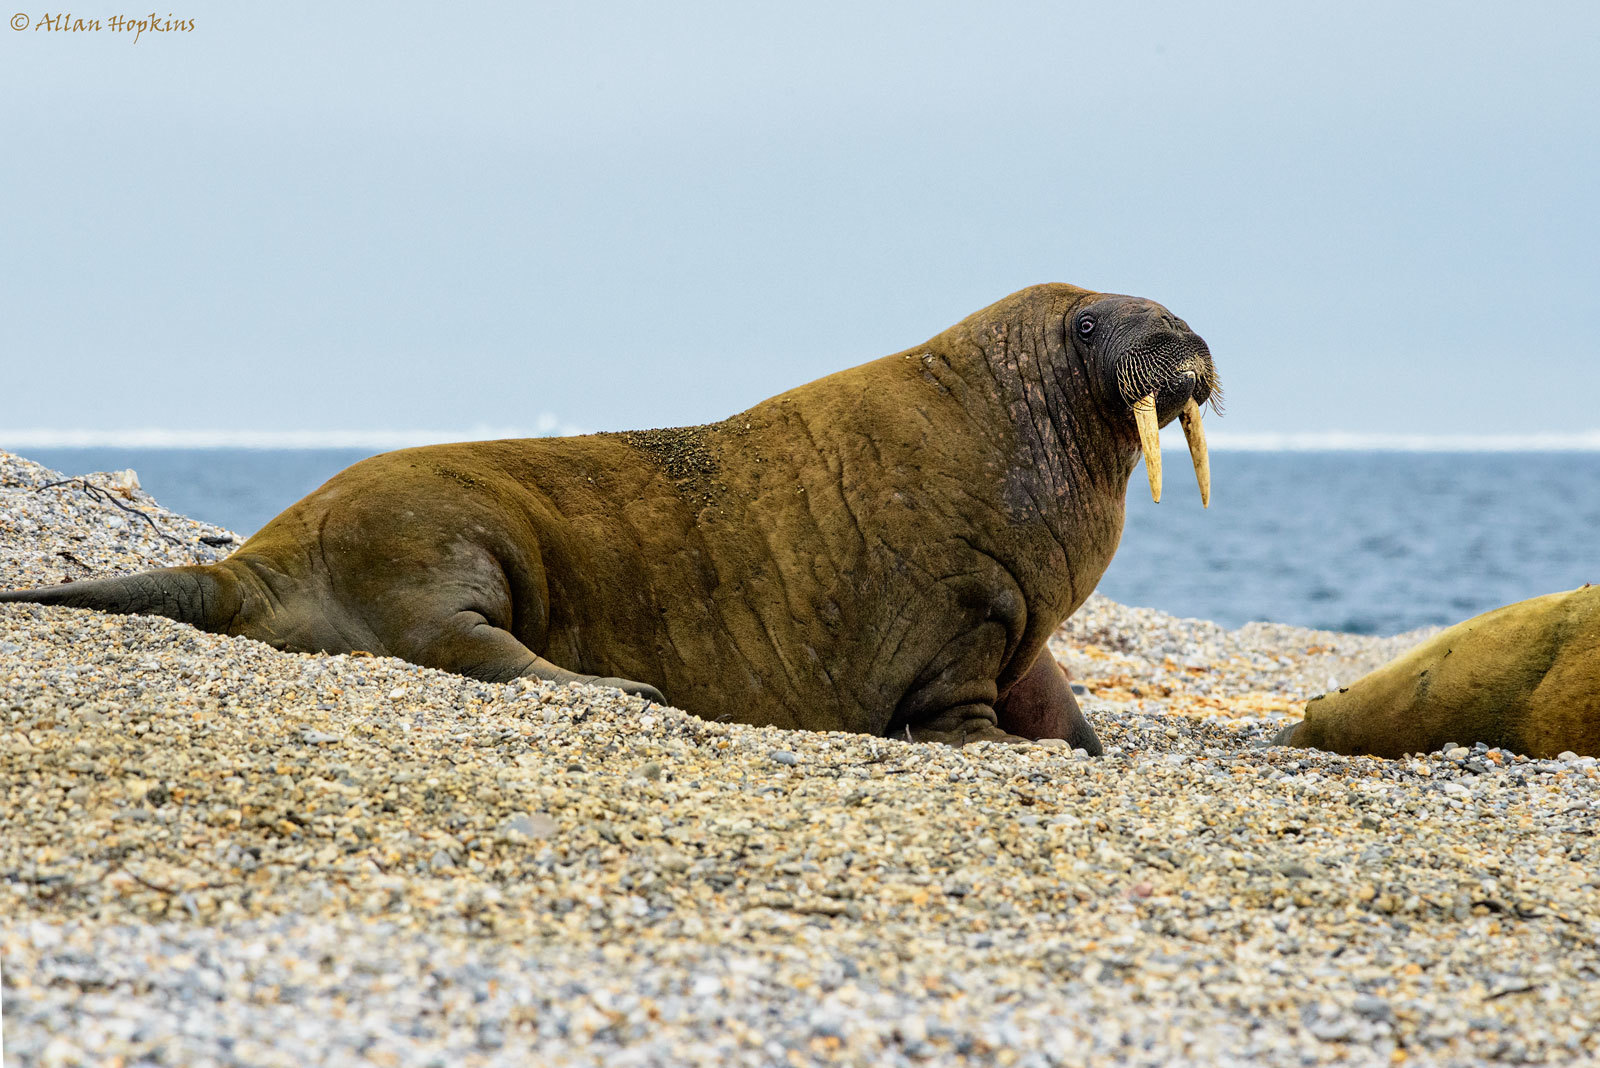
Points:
[[213, 852]]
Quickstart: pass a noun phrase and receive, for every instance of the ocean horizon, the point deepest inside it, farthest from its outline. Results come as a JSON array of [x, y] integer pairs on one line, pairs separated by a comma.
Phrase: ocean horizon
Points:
[[20, 439]]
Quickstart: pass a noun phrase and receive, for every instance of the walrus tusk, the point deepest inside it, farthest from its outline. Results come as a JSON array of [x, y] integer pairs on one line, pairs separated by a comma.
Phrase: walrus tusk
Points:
[[1196, 435], [1144, 414]]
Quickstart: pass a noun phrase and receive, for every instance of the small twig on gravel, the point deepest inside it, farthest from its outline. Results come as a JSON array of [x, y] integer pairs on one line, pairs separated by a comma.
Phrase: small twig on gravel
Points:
[[101, 495], [158, 888], [1523, 912], [36, 879], [1511, 990]]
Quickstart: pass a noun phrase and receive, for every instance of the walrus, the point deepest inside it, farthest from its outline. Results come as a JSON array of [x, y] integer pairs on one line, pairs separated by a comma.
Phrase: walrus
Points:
[[883, 551], [1525, 677]]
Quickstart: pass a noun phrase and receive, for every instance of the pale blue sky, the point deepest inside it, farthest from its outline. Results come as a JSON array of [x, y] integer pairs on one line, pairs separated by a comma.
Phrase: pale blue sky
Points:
[[1382, 216]]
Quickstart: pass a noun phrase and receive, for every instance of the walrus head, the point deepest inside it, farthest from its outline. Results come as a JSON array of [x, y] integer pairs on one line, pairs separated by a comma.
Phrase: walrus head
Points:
[[1151, 365]]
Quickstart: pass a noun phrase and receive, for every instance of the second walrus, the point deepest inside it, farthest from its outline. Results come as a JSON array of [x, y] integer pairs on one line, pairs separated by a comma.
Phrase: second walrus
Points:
[[884, 550]]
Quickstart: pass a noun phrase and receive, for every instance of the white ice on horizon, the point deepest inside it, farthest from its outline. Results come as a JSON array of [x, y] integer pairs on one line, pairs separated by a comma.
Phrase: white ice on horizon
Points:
[[550, 426], [377, 440]]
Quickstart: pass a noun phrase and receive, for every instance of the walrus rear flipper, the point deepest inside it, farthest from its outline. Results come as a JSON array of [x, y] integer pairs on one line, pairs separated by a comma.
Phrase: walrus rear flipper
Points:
[[204, 596]]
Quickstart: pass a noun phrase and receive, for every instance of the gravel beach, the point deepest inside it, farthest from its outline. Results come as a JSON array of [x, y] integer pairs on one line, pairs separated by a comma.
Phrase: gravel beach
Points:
[[214, 853]]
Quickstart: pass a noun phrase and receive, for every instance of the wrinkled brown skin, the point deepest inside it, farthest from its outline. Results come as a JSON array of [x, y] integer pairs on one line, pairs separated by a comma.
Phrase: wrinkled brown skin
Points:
[[884, 550], [1525, 678]]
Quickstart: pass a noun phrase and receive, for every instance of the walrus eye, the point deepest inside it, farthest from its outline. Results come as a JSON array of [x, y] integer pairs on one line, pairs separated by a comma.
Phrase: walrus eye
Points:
[[1086, 326]]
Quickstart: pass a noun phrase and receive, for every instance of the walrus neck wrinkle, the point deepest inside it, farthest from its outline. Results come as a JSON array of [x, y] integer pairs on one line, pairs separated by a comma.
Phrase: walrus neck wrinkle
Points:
[[1049, 399], [1106, 454]]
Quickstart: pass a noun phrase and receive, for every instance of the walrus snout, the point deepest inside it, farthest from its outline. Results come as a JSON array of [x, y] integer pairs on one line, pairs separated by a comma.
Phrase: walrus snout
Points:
[[1184, 386], [1158, 395], [1173, 370]]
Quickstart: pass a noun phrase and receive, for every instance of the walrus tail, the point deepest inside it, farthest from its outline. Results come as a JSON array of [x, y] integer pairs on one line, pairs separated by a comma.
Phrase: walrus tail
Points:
[[204, 596]]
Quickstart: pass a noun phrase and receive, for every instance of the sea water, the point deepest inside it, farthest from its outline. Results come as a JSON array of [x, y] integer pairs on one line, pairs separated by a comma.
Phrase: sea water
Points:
[[1370, 542]]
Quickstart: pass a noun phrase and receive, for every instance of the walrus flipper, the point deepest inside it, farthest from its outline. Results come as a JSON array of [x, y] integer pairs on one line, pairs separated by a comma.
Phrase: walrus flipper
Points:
[[963, 725], [1038, 707], [200, 595]]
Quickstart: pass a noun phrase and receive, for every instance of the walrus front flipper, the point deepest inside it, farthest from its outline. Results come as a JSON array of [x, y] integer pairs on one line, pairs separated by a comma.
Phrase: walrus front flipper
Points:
[[962, 725], [1038, 707], [201, 595]]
